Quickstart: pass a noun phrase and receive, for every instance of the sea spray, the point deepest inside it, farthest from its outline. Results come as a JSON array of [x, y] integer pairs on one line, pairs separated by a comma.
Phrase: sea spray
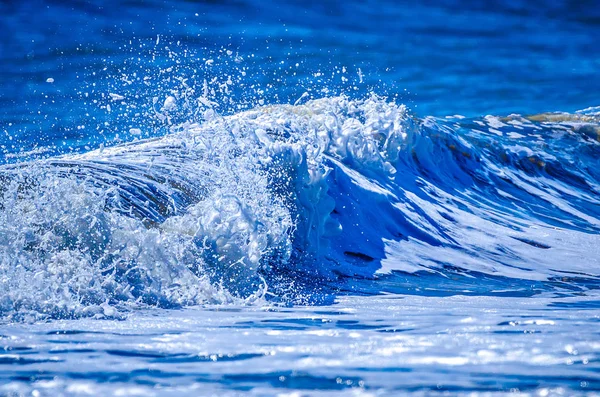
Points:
[[236, 208]]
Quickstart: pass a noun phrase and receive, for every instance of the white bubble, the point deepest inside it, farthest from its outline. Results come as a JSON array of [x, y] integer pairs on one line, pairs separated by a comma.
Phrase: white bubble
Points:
[[116, 97], [170, 103]]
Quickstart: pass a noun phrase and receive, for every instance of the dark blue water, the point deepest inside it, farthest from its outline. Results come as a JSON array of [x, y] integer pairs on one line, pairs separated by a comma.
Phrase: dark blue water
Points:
[[246, 197]]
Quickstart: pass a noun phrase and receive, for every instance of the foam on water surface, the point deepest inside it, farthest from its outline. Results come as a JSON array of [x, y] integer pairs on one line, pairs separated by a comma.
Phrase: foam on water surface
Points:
[[375, 345]]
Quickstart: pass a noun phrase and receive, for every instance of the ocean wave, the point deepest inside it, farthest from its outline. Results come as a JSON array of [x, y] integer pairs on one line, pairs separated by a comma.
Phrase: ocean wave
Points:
[[239, 208]]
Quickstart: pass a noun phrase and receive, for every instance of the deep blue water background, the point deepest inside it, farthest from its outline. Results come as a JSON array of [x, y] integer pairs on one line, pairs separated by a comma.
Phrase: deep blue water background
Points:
[[440, 58], [527, 325]]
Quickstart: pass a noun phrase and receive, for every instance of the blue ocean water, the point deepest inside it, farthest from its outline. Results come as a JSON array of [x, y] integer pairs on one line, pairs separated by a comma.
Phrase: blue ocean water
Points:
[[292, 198]]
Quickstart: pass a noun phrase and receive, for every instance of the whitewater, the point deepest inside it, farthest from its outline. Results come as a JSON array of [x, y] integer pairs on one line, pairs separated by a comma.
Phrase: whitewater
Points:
[[299, 198], [245, 207], [324, 239]]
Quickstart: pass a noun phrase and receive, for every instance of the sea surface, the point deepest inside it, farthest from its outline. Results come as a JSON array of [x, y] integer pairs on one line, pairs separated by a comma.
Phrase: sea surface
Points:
[[295, 198]]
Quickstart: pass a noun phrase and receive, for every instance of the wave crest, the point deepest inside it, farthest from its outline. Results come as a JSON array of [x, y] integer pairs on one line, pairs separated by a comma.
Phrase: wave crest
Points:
[[223, 211]]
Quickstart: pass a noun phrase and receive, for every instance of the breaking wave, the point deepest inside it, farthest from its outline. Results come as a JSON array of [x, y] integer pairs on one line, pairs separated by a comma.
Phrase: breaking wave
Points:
[[242, 208]]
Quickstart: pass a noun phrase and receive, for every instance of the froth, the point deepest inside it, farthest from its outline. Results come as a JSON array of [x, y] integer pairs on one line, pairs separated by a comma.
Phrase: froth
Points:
[[203, 215]]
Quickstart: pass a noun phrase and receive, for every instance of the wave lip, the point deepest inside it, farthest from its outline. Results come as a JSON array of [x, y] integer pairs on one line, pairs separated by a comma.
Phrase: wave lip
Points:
[[239, 207]]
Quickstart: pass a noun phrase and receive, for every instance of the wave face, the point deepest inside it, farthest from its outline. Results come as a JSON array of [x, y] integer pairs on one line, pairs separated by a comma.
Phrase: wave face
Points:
[[248, 206]]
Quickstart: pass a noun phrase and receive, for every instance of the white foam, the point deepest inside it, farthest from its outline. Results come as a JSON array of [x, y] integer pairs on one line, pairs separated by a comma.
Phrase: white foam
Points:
[[330, 187]]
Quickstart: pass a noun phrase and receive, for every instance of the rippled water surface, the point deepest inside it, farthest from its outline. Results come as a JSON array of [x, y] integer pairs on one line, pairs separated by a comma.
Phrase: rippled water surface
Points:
[[384, 345], [259, 198]]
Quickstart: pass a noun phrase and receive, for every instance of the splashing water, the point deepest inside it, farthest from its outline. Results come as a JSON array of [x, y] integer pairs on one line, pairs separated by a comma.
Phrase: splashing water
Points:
[[332, 189], [255, 201]]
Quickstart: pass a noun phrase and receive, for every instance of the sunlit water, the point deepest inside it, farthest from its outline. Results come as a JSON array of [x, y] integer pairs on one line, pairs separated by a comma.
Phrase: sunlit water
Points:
[[343, 198], [384, 345]]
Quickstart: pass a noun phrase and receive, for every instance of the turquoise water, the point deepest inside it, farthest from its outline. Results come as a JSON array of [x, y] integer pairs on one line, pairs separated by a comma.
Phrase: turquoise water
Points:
[[231, 198]]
